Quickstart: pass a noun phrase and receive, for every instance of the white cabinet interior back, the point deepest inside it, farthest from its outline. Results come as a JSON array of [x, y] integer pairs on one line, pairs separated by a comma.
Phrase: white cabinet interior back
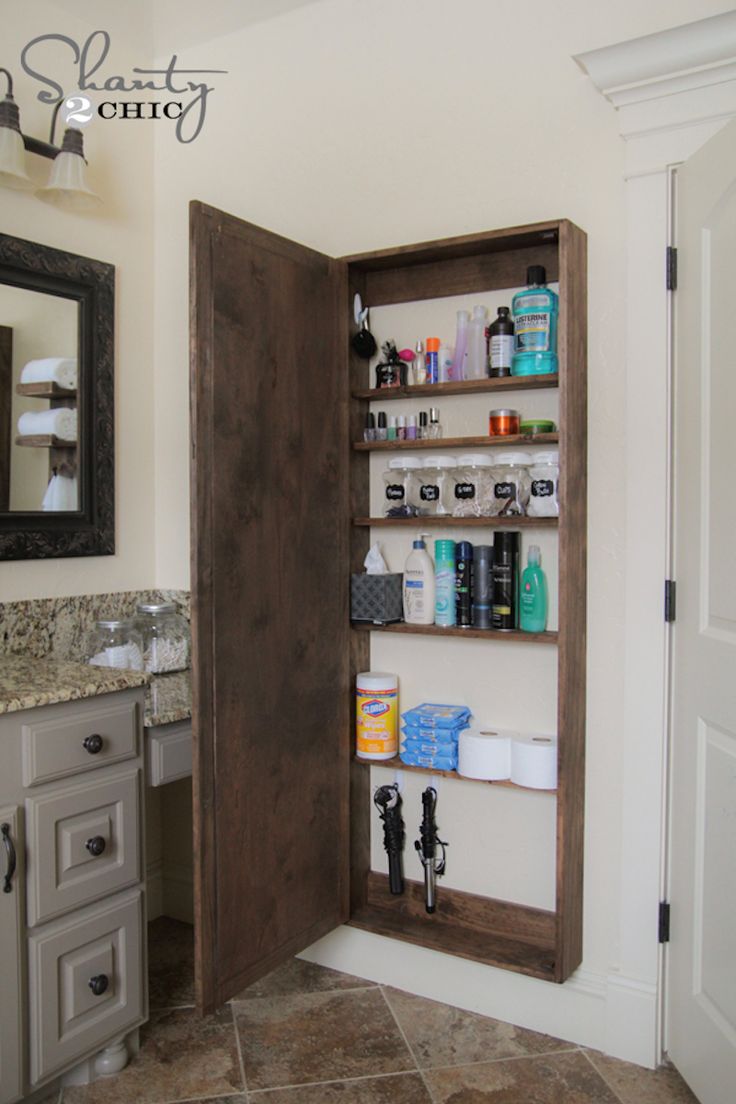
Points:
[[73, 966]]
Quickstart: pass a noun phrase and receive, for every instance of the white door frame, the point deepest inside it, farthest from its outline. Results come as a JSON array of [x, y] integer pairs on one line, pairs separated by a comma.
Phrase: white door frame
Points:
[[673, 91]]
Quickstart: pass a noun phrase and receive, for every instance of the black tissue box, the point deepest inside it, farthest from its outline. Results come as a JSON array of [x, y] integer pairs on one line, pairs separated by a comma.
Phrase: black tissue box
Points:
[[376, 598]]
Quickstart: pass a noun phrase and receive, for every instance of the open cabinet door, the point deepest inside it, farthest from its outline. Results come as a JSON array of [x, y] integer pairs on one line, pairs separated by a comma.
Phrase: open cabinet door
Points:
[[270, 618]]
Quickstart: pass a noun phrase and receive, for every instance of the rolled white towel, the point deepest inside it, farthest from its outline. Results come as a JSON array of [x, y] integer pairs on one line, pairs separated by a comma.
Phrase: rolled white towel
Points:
[[61, 422], [61, 370]]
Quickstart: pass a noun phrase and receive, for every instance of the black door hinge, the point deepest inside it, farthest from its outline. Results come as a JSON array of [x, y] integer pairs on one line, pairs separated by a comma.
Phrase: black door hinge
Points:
[[671, 268], [664, 921], [670, 599]]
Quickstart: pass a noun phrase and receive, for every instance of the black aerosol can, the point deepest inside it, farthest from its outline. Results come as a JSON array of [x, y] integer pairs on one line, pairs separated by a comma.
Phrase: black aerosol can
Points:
[[463, 584], [482, 565], [505, 604]]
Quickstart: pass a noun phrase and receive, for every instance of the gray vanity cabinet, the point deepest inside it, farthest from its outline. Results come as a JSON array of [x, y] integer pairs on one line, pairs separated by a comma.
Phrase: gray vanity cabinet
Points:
[[71, 793], [12, 1003]]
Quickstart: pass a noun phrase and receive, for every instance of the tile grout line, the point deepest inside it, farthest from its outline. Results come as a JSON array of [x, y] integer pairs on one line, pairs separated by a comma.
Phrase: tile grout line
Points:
[[312, 993], [602, 1075], [507, 1058], [240, 1052], [333, 1081], [430, 1094]]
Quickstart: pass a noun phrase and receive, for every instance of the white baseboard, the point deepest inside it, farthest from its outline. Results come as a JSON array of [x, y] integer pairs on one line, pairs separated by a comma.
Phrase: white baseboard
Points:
[[632, 1013]]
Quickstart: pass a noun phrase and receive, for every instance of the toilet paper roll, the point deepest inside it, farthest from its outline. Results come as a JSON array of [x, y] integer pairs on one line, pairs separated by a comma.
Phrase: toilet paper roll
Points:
[[485, 753], [534, 761]]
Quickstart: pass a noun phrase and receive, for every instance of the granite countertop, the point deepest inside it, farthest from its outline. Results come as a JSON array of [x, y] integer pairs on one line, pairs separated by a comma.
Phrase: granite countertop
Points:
[[168, 699], [26, 683]]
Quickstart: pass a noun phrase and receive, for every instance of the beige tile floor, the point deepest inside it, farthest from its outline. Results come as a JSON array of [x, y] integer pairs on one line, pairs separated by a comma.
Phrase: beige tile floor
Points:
[[309, 1035]]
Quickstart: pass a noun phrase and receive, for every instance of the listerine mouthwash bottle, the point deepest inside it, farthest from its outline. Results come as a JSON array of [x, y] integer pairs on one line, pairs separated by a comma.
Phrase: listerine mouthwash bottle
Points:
[[535, 326]]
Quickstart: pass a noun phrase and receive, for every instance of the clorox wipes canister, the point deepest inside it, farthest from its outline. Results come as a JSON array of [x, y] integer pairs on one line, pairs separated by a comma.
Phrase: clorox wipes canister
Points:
[[377, 715]]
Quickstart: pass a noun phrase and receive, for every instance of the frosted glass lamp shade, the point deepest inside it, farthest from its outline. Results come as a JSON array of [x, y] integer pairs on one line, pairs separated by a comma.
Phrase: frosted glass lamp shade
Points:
[[13, 160], [67, 186]]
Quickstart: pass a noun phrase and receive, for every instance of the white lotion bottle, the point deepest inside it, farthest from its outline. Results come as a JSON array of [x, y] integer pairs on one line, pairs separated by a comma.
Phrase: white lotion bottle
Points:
[[419, 584]]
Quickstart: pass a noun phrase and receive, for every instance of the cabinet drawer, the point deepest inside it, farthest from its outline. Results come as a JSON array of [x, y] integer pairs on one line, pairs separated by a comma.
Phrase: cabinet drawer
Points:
[[82, 843], [90, 736], [168, 752], [70, 1018]]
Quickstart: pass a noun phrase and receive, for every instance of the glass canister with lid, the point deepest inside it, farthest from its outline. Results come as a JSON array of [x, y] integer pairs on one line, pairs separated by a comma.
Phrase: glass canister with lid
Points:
[[400, 487], [544, 475], [165, 635], [435, 485], [473, 485], [115, 643], [510, 492]]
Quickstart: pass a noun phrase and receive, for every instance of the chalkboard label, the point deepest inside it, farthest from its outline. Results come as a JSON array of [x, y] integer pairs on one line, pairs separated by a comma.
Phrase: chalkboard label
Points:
[[465, 490]]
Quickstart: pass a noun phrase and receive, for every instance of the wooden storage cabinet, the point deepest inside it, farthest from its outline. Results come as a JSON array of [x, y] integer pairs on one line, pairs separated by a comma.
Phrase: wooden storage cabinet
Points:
[[75, 910], [541, 943], [280, 513]]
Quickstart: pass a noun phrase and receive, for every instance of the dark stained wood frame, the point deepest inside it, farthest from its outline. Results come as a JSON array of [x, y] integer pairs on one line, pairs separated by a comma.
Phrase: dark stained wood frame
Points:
[[6, 409], [542, 944], [90, 531]]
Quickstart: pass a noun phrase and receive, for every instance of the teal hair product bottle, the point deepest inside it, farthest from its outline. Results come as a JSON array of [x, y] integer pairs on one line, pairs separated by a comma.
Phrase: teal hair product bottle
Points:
[[444, 583], [533, 598], [535, 326]]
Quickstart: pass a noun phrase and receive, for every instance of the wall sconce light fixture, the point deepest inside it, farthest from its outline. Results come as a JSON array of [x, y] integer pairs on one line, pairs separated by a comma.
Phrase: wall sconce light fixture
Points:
[[67, 186]]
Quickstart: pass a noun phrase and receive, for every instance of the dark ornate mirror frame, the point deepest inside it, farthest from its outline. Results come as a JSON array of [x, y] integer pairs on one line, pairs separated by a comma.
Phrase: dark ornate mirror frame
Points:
[[90, 531]]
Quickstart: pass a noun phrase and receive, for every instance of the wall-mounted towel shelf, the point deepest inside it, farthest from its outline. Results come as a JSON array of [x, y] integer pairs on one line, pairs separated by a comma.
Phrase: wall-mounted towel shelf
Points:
[[44, 440], [49, 390]]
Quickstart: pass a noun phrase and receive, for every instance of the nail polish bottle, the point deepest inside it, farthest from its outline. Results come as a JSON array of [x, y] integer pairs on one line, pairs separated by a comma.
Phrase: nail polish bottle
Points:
[[381, 430], [423, 431], [369, 433], [391, 431], [401, 428], [411, 427], [435, 429]]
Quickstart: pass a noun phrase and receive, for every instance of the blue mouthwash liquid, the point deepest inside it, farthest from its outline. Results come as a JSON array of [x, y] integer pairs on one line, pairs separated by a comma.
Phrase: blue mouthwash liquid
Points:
[[535, 326]]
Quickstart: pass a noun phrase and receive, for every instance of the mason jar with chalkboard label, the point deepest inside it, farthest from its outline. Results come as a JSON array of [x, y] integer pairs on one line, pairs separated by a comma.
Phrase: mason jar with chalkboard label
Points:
[[400, 495], [510, 492], [544, 477], [434, 481], [473, 485]]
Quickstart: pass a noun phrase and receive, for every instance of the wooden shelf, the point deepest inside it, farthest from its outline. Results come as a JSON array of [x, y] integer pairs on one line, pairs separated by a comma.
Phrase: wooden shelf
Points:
[[460, 442], [515, 636], [397, 764], [44, 440], [445, 521], [48, 390], [461, 387], [498, 933]]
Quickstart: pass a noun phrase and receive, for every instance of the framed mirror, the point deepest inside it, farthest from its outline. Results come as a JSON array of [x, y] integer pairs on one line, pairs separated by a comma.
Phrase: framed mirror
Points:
[[57, 462]]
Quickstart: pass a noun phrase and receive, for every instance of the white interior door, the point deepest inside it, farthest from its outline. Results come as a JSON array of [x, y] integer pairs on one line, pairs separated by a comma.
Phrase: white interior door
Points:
[[701, 1002]]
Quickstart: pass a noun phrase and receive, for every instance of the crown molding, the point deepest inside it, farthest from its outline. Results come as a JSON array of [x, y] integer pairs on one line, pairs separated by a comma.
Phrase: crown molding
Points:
[[675, 78]]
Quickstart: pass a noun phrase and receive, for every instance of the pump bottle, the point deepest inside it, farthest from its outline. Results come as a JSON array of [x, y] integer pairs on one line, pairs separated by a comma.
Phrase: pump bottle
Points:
[[419, 588]]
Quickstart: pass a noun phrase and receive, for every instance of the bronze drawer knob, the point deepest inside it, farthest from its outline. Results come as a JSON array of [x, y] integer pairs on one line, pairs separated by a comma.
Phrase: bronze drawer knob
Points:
[[92, 743], [98, 984]]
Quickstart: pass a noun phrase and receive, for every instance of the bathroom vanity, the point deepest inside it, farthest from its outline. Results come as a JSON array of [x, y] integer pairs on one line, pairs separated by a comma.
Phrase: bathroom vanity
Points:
[[72, 885]]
